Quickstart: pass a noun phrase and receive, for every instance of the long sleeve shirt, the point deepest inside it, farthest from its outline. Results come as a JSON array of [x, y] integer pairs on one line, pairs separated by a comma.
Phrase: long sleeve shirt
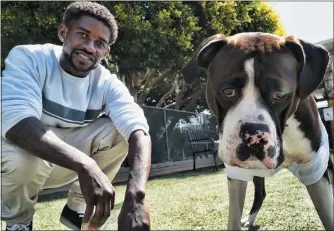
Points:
[[35, 85]]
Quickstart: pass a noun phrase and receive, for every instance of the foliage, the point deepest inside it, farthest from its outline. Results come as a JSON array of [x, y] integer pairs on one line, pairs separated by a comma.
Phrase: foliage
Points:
[[152, 34], [25, 22]]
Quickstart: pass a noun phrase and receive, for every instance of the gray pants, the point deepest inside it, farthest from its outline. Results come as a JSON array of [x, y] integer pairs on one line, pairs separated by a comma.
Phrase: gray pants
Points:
[[24, 175]]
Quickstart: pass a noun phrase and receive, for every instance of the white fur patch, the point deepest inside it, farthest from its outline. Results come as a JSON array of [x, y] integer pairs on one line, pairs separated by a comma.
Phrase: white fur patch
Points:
[[297, 148], [249, 222], [247, 110]]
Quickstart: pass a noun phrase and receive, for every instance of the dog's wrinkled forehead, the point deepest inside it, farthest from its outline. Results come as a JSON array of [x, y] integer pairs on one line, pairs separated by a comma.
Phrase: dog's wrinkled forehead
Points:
[[256, 42]]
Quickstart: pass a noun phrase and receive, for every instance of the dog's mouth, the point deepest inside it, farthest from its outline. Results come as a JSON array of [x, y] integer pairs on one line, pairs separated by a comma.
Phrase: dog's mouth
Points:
[[259, 151], [251, 163], [260, 155], [254, 163]]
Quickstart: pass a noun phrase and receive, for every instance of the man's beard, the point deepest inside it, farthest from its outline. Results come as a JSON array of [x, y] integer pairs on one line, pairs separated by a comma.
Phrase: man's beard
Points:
[[69, 58]]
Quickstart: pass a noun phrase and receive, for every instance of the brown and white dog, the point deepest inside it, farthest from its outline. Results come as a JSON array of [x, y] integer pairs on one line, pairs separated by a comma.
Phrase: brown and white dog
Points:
[[259, 87]]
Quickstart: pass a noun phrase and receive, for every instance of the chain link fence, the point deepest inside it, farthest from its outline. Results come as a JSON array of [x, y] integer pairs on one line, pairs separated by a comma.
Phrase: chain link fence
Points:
[[168, 130]]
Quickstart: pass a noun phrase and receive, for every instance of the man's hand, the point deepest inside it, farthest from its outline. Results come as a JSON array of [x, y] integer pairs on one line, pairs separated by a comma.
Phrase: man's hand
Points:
[[134, 214], [98, 194]]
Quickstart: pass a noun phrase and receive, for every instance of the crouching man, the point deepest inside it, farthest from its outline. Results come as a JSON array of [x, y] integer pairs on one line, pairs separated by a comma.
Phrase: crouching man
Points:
[[53, 132]]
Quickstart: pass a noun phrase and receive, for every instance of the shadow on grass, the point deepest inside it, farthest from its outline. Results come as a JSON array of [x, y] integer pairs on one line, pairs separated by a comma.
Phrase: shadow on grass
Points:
[[53, 196], [254, 228], [190, 173], [63, 195]]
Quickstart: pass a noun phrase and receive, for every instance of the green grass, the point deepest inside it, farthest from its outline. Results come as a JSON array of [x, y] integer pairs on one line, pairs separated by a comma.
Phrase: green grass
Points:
[[199, 201]]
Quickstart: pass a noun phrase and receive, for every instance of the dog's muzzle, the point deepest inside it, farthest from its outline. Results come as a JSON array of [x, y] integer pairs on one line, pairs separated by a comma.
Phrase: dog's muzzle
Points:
[[255, 137], [249, 145]]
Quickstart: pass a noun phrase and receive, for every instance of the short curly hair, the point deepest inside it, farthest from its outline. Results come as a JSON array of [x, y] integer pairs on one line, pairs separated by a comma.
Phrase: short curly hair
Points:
[[77, 9]]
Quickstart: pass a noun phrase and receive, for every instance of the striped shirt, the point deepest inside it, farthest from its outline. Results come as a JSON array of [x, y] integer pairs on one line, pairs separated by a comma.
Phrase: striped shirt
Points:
[[35, 85]]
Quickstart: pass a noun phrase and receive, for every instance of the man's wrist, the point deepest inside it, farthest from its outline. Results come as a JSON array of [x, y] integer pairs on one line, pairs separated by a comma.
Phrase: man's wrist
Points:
[[83, 164], [134, 195]]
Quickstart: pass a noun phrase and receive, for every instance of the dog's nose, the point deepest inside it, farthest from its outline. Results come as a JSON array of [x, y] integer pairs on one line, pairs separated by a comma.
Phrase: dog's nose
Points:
[[254, 133]]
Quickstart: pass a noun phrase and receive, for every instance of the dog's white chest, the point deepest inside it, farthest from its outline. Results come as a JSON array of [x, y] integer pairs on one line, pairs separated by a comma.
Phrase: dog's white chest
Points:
[[297, 148]]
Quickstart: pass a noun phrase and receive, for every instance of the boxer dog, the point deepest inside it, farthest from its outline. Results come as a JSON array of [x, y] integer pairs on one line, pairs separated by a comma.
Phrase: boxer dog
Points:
[[259, 87]]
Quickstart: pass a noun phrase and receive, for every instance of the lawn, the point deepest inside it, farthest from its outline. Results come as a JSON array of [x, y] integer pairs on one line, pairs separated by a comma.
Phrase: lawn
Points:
[[199, 201]]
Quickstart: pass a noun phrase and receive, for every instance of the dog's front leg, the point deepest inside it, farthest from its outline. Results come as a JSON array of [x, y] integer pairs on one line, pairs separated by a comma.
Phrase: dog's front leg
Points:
[[237, 192], [259, 195], [322, 197]]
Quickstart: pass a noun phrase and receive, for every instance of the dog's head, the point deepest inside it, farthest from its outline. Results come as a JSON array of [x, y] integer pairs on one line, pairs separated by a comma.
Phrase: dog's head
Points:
[[255, 82]]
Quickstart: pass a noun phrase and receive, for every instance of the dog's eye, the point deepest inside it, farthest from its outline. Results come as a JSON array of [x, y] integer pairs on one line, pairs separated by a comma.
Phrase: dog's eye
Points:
[[228, 92], [279, 95]]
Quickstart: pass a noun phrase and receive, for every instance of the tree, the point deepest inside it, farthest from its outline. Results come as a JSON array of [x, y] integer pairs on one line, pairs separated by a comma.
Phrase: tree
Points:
[[25, 22], [160, 36]]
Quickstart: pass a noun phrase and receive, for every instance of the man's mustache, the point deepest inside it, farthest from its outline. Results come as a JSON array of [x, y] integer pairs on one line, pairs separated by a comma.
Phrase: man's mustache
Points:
[[84, 52]]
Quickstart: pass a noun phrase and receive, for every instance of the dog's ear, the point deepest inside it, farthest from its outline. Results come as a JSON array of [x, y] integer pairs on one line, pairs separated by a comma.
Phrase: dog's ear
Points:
[[211, 99], [313, 60], [202, 57]]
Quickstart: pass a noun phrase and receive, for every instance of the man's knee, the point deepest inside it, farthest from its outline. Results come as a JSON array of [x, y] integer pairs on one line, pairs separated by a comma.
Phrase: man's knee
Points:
[[106, 124], [109, 136], [21, 168]]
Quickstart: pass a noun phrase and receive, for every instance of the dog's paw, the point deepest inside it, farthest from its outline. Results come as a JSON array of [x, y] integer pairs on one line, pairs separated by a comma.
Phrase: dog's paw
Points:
[[247, 223]]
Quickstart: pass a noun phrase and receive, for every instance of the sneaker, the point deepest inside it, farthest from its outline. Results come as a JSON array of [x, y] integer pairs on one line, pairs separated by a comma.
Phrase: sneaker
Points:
[[19, 227], [71, 218]]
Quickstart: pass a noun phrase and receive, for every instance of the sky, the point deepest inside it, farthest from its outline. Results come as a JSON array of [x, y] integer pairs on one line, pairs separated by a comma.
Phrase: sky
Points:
[[310, 21]]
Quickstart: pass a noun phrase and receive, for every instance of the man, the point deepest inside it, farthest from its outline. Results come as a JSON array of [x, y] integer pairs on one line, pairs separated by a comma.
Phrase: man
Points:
[[53, 134]]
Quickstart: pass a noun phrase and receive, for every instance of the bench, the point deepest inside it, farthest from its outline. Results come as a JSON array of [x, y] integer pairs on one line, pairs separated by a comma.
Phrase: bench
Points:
[[202, 140]]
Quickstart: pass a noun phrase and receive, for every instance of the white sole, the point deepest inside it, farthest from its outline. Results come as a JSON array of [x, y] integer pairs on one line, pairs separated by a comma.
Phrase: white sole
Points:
[[68, 224]]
